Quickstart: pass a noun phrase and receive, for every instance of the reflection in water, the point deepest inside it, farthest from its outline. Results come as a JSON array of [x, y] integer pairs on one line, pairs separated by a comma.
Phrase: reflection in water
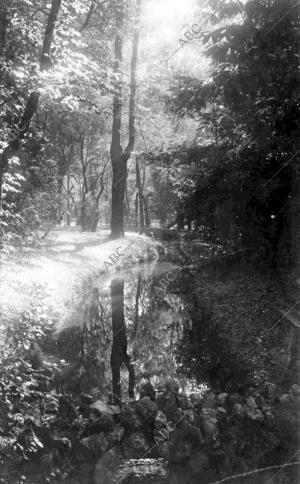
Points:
[[126, 320], [161, 333], [157, 334], [119, 353]]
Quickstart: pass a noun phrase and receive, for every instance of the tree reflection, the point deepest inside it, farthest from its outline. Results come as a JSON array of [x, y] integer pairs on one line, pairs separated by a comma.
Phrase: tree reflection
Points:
[[119, 354]]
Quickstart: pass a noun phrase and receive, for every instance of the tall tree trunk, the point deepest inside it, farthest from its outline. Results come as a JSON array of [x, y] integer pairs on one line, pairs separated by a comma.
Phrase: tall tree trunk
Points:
[[96, 215], [140, 204], [14, 144], [119, 353], [3, 29], [84, 211], [119, 157], [68, 202], [119, 164], [147, 212]]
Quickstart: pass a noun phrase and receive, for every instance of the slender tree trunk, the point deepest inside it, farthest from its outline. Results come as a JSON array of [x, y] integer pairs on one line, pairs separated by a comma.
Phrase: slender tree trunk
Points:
[[147, 213], [136, 212], [96, 212], [14, 144], [119, 163], [84, 211], [119, 157], [3, 29], [140, 204], [68, 202]]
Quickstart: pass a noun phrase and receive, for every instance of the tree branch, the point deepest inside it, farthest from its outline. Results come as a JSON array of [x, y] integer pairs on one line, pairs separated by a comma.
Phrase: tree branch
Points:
[[133, 85], [116, 149], [102, 182], [85, 184], [32, 102], [88, 17], [45, 61]]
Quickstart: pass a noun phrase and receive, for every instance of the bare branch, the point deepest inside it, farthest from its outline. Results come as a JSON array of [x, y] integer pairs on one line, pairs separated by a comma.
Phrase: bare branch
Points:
[[133, 85], [88, 17]]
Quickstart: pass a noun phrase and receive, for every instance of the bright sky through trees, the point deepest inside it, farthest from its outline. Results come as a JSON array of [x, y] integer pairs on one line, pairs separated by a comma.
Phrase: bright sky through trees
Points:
[[163, 29]]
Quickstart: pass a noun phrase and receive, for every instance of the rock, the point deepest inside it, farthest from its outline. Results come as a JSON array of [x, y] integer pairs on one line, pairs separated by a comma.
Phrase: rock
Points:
[[101, 408], [190, 416], [85, 402], [197, 400], [211, 412], [96, 425], [104, 472], [185, 403], [269, 417], [235, 398], [172, 386], [178, 474], [46, 462], [67, 410], [160, 421], [209, 424], [284, 399], [209, 401], [270, 391], [251, 403], [294, 390], [254, 414], [218, 460], [182, 442], [147, 390], [178, 416], [252, 392], [222, 397], [128, 417], [221, 412], [135, 446], [61, 443], [198, 462], [162, 448], [105, 422], [179, 452], [260, 401], [147, 409], [238, 410], [167, 402], [115, 436], [95, 444]]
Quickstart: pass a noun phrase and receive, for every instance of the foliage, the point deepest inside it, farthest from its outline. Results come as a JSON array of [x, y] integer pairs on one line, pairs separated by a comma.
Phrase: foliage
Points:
[[249, 111], [28, 407], [230, 343]]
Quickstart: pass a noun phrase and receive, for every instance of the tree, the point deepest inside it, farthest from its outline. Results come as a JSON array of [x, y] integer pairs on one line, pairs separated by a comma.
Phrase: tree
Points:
[[93, 163], [14, 143], [120, 156], [250, 107], [119, 353]]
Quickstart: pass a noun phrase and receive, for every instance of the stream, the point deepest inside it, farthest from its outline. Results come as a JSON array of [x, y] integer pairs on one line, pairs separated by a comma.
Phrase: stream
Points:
[[127, 327], [138, 312], [133, 328]]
